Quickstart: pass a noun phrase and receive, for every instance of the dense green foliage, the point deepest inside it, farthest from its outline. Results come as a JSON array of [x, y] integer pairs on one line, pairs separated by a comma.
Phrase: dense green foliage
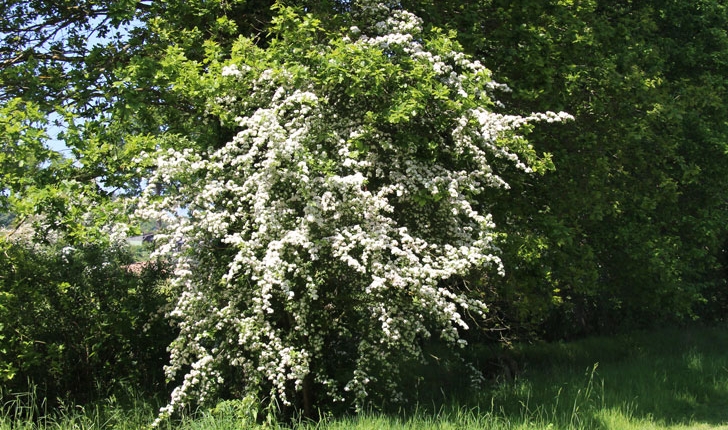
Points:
[[627, 226], [630, 227], [75, 323]]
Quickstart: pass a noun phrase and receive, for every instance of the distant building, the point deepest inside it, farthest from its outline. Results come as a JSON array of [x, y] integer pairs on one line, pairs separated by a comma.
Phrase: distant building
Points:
[[141, 239]]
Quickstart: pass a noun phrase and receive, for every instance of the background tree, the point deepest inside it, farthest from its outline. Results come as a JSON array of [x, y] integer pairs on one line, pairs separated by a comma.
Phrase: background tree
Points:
[[628, 229]]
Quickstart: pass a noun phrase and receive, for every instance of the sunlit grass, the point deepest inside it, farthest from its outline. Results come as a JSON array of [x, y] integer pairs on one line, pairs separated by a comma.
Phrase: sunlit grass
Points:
[[666, 379], [671, 379]]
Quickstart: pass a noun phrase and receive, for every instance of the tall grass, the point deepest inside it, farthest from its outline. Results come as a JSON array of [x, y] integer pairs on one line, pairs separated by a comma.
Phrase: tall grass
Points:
[[667, 379], [670, 379], [24, 411]]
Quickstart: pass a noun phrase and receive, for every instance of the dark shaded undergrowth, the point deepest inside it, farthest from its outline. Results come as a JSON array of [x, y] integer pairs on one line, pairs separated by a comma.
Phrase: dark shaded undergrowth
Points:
[[668, 378]]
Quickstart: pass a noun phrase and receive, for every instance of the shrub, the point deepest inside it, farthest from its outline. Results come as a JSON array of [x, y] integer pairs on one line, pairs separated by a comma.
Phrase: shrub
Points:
[[74, 322]]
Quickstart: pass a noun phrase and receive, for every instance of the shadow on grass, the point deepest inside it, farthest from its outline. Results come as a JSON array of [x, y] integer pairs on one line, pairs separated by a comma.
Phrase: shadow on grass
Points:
[[669, 377], [674, 377]]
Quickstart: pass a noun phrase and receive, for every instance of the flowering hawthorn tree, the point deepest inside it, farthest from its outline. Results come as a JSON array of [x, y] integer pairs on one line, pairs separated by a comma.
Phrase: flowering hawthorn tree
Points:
[[322, 245]]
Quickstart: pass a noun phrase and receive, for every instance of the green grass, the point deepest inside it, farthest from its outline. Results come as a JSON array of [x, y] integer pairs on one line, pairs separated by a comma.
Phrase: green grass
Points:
[[669, 379]]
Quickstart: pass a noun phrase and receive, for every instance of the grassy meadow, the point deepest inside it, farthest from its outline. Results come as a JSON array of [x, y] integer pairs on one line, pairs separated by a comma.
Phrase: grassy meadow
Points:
[[666, 379]]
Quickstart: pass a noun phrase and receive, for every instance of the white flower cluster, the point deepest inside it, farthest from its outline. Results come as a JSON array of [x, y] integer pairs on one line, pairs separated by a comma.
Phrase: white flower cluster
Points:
[[296, 241]]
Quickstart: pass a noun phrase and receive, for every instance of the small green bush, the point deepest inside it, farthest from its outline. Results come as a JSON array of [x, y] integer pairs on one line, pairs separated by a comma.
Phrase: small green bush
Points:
[[75, 322]]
